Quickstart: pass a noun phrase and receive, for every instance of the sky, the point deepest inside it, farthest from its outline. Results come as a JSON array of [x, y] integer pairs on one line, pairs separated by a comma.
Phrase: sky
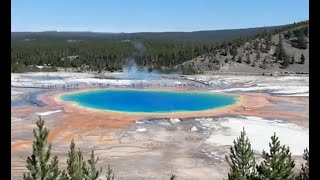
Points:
[[153, 15]]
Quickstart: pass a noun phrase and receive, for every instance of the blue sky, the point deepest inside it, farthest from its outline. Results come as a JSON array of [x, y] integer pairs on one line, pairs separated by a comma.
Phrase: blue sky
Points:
[[153, 15]]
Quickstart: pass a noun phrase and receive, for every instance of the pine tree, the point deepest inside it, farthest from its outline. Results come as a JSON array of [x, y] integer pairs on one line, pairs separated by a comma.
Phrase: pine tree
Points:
[[75, 163], [55, 172], [279, 50], [268, 46], [302, 59], [261, 47], [277, 164], [258, 56], [304, 174], [234, 52], [256, 45], [286, 61], [241, 161], [239, 59], [288, 34], [248, 59], [110, 174], [91, 172], [269, 37], [32, 166], [38, 164], [301, 42], [292, 60], [225, 49]]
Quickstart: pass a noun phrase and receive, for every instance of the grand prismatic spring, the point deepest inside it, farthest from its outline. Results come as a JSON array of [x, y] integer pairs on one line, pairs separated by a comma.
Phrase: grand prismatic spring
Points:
[[149, 101]]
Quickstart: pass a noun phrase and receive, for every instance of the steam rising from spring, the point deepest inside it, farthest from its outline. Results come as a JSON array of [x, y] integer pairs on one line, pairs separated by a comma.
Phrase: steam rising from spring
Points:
[[130, 66], [131, 70]]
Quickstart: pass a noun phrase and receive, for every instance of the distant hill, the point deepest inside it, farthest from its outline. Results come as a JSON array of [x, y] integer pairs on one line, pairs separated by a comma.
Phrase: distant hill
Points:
[[255, 56], [210, 35]]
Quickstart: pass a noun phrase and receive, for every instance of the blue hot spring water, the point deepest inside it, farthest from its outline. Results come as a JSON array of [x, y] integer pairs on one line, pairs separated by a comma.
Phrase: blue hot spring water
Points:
[[149, 101]]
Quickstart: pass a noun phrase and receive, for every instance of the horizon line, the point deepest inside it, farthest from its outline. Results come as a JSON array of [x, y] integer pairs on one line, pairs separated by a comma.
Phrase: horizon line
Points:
[[166, 31]]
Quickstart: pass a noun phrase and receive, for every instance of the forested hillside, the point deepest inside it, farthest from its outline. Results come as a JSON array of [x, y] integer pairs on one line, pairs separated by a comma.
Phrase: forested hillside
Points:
[[285, 51], [164, 52]]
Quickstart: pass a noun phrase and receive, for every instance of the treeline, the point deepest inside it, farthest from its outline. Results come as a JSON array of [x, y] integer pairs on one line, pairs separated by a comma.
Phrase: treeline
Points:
[[110, 54], [276, 164]]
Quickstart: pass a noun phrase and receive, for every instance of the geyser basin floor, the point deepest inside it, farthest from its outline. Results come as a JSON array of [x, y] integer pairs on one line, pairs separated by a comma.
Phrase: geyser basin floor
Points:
[[155, 150], [149, 101]]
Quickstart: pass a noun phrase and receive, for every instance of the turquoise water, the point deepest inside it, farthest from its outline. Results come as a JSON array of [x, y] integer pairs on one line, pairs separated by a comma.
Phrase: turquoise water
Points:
[[149, 101]]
